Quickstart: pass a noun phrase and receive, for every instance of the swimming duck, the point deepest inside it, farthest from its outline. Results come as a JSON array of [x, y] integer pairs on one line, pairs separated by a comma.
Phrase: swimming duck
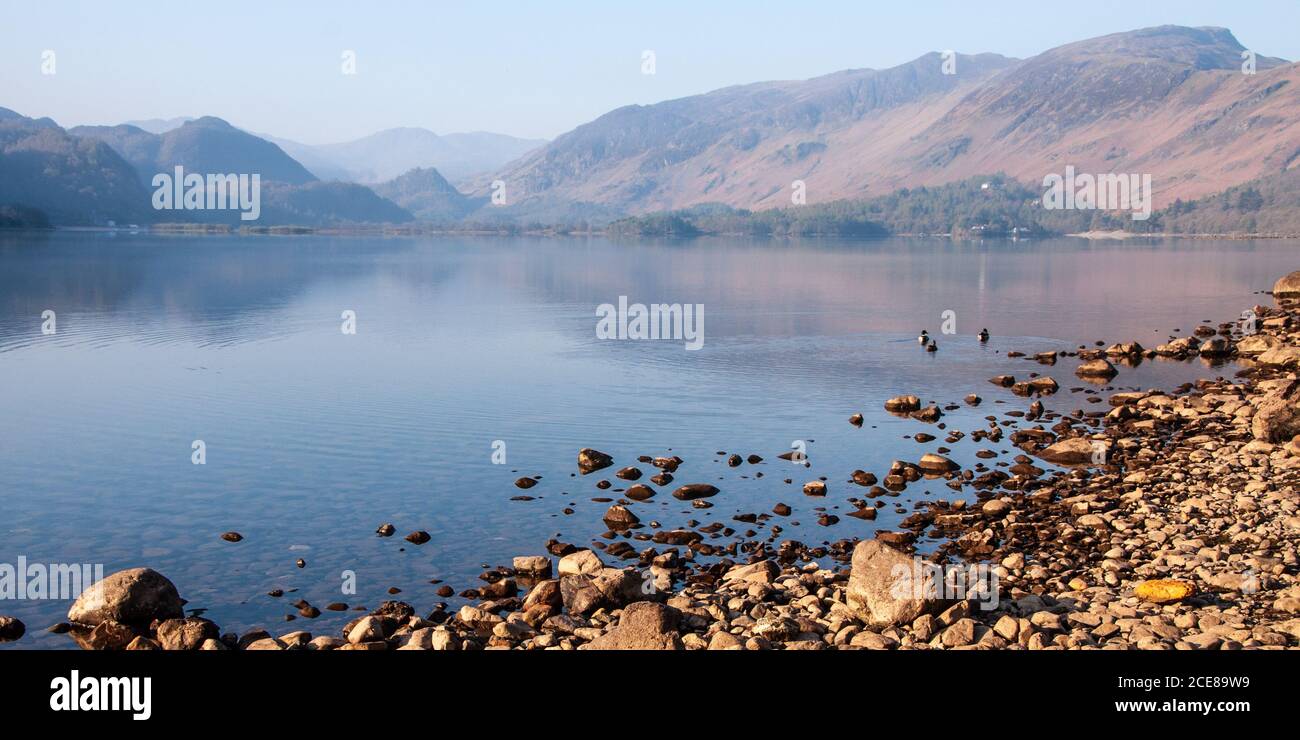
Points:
[[925, 337], [984, 335], [932, 346]]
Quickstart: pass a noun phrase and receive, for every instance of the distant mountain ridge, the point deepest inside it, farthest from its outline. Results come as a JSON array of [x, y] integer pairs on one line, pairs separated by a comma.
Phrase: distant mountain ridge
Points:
[[387, 154], [1170, 101], [204, 144], [93, 175], [70, 180]]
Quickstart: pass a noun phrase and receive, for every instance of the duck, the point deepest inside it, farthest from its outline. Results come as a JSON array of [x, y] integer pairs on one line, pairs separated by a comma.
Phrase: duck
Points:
[[984, 335], [925, 337], [932, 346]]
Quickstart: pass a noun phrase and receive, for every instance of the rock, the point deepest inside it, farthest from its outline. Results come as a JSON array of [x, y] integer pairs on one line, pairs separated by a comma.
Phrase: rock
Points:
[[142, 643], [545, 593], [889, 588], [579, 594], [590, 460], [109, 635], [725, 641], [639, 492], [525, 483], [629, 473], [1097, 368], [692, 491], [1006, 381], [995, 507], [929, 414], [856, 420], [385, 530], [1256, 344], [644, 625], [936, 464], [781, 509], [1073, 451], [266, 643], [776, 628], [537, 566], [185, 634], [863, 478], [1125, 349], [1216, 347], [11, 628], [764, 571], [133, 597], [1277, 418], [1164, 591], [814, 488], [481, 621], [418, 537], [1281, 357], [620, 517], [367, 629], [903, 404], [232, 536], [584, 562], [1287, 286]]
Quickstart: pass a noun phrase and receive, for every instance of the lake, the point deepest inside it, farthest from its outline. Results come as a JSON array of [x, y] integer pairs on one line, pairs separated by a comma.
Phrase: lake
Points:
[[466, 346]]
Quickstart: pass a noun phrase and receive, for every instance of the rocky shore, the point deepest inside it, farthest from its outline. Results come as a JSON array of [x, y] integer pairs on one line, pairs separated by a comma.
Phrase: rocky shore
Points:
[[1160, 520]]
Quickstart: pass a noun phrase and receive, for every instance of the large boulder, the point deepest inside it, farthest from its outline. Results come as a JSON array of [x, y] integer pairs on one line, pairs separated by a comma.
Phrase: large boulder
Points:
[[1280, 357], [1277, 418], [888, 587], [644, 625], [584, 562], [1287, 286], [1074, 451], [133, 597], [1252, 345]]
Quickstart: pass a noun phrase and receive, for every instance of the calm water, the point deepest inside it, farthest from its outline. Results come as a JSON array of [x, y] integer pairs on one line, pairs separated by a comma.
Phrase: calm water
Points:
[[314, 437]]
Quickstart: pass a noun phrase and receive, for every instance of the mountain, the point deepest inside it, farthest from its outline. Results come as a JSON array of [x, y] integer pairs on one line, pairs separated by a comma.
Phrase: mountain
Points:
[[95, 174], [1169, 101], [70, 180], [388, 154], [427, 194], [327, 203], [159, 125], [203, 145]]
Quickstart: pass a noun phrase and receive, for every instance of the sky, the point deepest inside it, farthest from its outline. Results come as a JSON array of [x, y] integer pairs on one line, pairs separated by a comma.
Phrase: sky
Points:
[[528, 69]]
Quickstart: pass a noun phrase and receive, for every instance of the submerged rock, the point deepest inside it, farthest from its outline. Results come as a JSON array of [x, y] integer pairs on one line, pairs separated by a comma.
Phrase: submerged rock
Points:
[[692, 491], [590, 460]]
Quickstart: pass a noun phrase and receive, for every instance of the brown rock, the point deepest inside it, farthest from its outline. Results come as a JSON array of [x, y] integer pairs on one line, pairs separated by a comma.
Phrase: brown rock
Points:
[[135, 597]]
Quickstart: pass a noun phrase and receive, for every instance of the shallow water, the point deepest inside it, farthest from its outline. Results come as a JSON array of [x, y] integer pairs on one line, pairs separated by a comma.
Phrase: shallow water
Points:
[[314, 437]]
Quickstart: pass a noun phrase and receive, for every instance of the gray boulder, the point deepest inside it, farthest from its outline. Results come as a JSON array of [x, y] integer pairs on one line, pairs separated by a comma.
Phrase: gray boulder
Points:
[[133, 597]]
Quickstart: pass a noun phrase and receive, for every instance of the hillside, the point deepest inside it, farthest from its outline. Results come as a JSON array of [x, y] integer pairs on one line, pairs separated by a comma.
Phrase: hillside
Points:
[[1169, 101], [205, 145], [70, 180], [428, 196]]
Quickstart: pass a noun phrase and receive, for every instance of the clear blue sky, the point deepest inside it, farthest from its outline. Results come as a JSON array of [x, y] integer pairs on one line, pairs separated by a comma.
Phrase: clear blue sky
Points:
[[533, 69]]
